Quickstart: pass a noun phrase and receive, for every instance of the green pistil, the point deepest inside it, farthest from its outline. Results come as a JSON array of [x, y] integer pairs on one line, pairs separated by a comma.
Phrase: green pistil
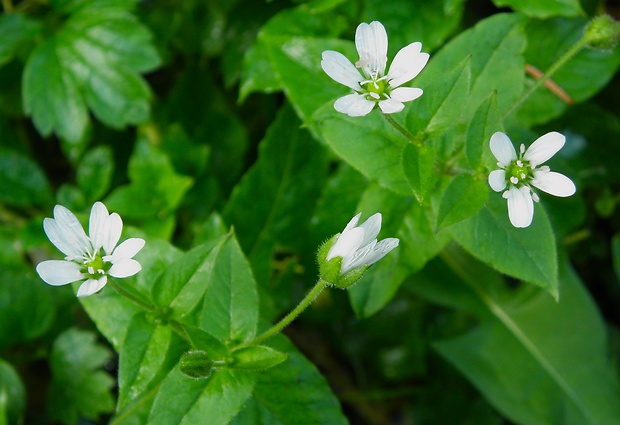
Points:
[[520, 170], [96, 267], [378, 87]]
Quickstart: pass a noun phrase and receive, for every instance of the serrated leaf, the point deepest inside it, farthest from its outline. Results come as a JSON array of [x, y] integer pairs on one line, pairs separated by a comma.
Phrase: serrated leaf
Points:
[[79, 388], [15, 29], [544, 8], [22, 182], [93, 61], [418, 164], [549, 359], [463, 197], [528, 254], [256, 357], [293, 392], [484, 123], [216, 399]]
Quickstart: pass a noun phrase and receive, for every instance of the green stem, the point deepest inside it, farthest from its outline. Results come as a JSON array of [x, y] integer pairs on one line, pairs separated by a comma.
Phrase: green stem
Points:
[[311, 296], [131, 297], [557, 65], [402, 130]]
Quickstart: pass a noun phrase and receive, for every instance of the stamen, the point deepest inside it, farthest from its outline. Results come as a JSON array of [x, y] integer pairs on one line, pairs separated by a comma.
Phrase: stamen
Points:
[[374, 95], [519, 163], [522, 176], [101, 271], [522, 148], [91, 270], [505, 195], [535, 197], [545, 169], [514, 180]]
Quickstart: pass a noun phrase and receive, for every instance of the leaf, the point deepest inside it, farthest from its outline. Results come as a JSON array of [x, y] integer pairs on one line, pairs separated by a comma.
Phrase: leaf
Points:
[[536, 360], [93, 61], [230, 307], [463, 197], [216, 399], [94, 172], [12, 394], [543, 9], [441, 105], [292, 393], [528, 254], [15, 29], [79, 388], [485, 122], [148, 353], [256, 358], [22, 182], [369, 144], [289, 174], [419, 169], [580, 77]]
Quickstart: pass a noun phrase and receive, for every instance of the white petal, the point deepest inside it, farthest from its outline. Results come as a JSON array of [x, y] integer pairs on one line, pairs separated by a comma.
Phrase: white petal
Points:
[[497, 180], [92, 286], [381, 249], [352, 223], [371, 227], [554, 183], [520, 206], [97, 223], [112, 232], [407, 64], [544, 148], [371, 42], [406, 94], [340, 69], [59, 272], [502, 148], [124, 268], [347, 243], [354, 105], [391, 106], [358, 259], [67, 232], [127, 249]]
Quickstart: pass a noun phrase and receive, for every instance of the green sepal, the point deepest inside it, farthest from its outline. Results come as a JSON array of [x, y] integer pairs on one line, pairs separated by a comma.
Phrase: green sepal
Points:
[[346, 280], [602, 32], [196, 364], [256, 357], [329, 271]]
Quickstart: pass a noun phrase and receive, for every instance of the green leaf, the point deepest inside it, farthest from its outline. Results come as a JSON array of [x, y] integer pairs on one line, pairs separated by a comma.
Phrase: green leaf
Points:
[[230, 307], [544, 8], [79, 388], [22, 182], [256, 357], [92, 62], [446, 90], [581, 77], [528, 254], [15, 29], [148, 353], [12, 395], [204, 341], [495, 45], [463, 197], [536, 360], [288, 175], [419, 169], [369, 144], [155, 191], [94, 172], [292, 393], [216, 399], [484, 123]]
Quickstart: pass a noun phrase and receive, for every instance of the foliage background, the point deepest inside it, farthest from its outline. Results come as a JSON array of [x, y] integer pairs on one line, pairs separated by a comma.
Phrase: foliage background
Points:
[[190, 117]]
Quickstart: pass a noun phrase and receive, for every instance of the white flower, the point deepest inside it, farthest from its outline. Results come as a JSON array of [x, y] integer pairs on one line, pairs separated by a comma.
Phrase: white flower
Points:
[[358, 246], [519, 173], [88, 258], [371, 83]]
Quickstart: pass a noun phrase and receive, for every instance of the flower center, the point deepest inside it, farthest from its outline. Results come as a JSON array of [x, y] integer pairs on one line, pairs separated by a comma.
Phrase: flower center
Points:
[[376, 88], [96, 267], [519, 172]]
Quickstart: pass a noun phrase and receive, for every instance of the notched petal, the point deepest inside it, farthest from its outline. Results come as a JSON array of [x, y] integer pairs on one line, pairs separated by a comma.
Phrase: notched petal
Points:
[[340, 69], [544, 148], [502, 149], [554, 183], [497, 180], [354, 105]]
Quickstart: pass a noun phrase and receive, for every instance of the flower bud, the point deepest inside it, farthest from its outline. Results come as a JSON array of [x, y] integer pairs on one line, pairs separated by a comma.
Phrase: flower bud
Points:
[[602, 32], [196, 364]]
